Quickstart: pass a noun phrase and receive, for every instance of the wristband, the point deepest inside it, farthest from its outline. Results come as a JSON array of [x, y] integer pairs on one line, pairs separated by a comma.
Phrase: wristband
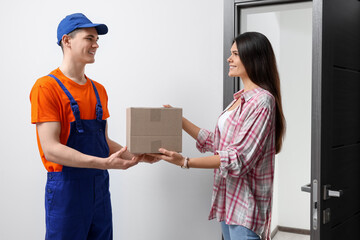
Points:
[[186, 161]]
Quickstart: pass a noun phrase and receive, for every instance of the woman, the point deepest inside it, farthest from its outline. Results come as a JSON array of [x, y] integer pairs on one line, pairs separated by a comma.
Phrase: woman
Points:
[[247, 136]]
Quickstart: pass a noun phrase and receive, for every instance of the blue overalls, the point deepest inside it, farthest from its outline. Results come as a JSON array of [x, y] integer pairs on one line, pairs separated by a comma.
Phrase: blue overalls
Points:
[[77, 200]]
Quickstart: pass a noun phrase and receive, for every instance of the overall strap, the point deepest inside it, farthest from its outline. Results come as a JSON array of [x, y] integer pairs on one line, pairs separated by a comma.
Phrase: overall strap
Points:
[[73, 104], [99, 109]]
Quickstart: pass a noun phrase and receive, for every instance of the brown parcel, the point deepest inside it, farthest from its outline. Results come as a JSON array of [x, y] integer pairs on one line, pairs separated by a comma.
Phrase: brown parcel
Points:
[[148, 129]]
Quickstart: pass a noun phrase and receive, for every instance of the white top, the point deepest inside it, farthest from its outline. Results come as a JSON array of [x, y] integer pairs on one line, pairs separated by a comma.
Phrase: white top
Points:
[[222, 120]]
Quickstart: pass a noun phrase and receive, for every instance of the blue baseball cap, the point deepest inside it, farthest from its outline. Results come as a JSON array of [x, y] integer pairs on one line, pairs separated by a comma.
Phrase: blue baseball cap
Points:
[[75, 21]]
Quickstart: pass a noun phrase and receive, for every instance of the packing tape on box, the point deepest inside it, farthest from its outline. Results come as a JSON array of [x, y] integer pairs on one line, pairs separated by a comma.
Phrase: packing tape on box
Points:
[[155, 115]]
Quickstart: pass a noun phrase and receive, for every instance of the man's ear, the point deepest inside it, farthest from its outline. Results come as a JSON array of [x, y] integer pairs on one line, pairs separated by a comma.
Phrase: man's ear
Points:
[[66, 40]]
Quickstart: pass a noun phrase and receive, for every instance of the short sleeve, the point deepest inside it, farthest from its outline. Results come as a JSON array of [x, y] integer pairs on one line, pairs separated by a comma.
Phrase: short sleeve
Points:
[[43, 105]]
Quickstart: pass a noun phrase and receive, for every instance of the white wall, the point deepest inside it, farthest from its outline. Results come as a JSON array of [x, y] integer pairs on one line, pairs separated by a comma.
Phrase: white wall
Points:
[[289, 29], [156, 52], [295, 159]]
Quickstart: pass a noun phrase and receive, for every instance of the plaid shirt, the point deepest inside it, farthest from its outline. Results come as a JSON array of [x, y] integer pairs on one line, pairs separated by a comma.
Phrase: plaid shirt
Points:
[[243, 185]]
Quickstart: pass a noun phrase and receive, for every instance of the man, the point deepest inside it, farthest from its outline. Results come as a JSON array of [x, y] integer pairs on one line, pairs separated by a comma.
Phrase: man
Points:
[[70, 113]]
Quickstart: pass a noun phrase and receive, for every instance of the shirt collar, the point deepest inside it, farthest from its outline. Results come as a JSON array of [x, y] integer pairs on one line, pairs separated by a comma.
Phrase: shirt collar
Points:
[[247, 95]]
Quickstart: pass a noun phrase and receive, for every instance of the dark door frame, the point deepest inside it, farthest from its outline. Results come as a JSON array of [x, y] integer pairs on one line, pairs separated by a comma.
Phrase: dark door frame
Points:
[[316, 112]]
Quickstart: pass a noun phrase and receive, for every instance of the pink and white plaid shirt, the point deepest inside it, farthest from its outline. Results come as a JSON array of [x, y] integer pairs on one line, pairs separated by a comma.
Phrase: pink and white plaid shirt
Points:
[[243, 185]]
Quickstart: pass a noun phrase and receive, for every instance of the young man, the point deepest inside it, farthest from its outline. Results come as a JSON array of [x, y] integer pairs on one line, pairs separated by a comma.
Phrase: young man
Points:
[[70, 113]]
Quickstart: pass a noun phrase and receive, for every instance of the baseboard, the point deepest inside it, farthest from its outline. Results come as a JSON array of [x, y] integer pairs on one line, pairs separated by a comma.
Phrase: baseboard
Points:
[[290, 230], [273, 233]]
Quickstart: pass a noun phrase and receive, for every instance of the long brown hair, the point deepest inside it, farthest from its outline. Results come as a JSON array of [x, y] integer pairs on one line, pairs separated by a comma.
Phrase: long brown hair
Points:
[[258, 58]]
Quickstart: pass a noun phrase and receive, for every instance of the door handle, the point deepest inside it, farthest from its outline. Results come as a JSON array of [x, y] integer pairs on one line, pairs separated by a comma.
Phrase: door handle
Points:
[[332, 193], [328, 193], [306, 188]]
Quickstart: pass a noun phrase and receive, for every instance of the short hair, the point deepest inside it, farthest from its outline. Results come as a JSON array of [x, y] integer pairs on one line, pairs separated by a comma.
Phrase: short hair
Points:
[[71, 35]]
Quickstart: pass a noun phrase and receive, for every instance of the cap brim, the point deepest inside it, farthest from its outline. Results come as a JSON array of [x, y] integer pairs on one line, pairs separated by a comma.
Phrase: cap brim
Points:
[[100, 28]]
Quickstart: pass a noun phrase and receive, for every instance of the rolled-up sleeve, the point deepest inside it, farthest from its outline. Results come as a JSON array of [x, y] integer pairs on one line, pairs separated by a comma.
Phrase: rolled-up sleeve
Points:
[[239, 157], [205, 141]]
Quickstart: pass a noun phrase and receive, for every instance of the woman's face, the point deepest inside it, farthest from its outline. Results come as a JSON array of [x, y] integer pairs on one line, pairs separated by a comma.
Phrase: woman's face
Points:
[[236, 68]]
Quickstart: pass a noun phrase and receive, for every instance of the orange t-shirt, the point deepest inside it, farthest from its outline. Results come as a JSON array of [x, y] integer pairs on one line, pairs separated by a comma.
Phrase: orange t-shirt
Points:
[[49, 103]]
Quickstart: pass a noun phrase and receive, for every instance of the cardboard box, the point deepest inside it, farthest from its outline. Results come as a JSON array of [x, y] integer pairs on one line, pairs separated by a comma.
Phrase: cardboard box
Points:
[[148, 129]]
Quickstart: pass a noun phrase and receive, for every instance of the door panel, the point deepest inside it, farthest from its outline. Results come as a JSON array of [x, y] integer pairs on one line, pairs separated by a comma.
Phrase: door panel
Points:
[[345, 21], [344, 176], [335, 144], [341, 232], [337, 118], [345, 98]]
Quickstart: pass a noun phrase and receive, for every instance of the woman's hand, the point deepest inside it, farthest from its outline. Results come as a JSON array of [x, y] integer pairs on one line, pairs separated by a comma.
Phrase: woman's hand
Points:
[[170, 156], [167, 106]]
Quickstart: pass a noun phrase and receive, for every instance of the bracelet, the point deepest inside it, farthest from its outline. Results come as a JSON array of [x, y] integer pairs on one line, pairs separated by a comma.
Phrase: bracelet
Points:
[[186, 161]]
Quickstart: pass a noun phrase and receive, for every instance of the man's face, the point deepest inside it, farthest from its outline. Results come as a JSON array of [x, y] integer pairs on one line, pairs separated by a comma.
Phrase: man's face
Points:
[[83, 45]]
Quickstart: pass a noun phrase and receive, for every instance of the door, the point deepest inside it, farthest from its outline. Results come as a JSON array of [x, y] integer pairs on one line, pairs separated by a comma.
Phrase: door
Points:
[[335, 131], [335, 151]]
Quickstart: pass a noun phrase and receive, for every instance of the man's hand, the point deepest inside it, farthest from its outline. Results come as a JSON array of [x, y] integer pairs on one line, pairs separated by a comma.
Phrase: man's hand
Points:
[[115, 161], [147, 158]]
